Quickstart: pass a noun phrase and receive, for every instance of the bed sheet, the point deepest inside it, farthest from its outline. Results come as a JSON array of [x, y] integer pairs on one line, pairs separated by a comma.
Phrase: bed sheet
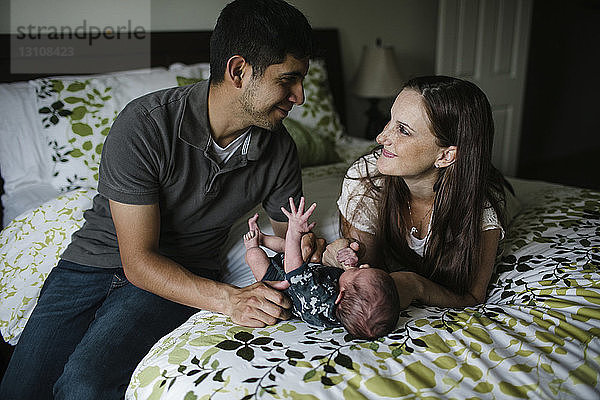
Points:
[[30, 247], [537, 335]]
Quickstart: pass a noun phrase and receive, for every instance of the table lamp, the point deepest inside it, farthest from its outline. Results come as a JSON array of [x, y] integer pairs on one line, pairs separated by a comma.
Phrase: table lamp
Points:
[[378, 77]]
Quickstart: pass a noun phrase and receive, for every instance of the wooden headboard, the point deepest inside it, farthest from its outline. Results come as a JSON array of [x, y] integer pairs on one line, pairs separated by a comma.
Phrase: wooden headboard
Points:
[[190, 47]]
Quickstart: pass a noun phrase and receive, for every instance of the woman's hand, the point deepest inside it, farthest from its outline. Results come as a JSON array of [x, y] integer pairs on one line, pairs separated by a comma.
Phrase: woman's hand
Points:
[[414, 287]]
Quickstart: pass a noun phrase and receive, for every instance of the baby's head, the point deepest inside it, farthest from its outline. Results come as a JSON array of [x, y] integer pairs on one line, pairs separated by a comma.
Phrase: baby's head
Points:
[[368, 305]]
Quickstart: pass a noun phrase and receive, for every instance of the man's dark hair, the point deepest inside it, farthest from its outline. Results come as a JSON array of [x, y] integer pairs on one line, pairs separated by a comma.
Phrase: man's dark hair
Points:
[[261, 31]]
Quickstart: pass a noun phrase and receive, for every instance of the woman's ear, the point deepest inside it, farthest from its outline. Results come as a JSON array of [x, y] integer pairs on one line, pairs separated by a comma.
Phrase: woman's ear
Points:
[[446, 157], [236, 69]]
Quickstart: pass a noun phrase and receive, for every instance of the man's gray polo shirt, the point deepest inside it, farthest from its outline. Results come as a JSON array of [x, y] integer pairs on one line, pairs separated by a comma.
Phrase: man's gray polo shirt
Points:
[[157, 151]]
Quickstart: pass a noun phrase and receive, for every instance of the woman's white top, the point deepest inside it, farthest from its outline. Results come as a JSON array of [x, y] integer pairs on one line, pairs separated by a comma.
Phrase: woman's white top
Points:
[[361, 210]]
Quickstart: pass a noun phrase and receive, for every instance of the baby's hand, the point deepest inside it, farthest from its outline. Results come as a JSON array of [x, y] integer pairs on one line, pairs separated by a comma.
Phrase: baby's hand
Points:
[[297, 218], [348, 256]]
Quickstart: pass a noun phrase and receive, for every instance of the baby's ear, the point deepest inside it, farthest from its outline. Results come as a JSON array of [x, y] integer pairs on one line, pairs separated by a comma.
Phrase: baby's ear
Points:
[[340, 296]]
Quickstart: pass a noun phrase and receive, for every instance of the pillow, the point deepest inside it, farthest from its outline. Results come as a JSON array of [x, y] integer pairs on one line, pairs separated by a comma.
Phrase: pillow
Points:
[[318, 111], [183, 81], [25, 198], [24, 158], [314, 148], [75, 115], [23, 152], [199, 71], [190, 74]]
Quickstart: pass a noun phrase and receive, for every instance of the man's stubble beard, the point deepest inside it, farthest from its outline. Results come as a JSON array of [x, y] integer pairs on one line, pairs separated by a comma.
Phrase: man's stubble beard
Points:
[[256, 117]]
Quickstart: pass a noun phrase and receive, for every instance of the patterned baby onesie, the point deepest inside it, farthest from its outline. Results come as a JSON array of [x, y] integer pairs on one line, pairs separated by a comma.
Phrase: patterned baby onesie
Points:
[[313, 290]]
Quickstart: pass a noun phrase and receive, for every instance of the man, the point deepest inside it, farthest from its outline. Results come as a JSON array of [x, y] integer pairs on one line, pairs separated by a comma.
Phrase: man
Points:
[[178, 168]]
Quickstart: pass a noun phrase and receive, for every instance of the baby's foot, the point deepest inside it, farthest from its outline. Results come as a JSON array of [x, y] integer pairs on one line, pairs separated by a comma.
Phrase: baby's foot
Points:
[[251, 239], [253, 223], [307, 245]]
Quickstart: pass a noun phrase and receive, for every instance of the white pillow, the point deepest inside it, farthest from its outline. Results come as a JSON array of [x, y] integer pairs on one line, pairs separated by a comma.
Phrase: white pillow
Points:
[[196, 71], [23, 154], [26, 198]]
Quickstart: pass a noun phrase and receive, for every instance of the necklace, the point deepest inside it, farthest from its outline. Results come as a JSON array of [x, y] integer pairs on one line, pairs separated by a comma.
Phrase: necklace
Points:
[[414, 230]]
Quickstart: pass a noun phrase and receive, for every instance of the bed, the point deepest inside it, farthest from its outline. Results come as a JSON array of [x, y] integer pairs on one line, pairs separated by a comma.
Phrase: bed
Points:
[[536, 336]]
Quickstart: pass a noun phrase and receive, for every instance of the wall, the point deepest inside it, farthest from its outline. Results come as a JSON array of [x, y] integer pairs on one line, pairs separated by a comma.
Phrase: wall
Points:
[[408, 25]]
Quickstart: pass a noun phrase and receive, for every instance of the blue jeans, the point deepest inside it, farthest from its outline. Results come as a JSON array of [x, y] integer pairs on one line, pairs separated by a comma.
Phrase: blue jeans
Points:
[[86, 335]]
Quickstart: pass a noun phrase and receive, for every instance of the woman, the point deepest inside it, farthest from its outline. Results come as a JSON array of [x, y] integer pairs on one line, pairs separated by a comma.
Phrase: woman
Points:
[[427, 204]]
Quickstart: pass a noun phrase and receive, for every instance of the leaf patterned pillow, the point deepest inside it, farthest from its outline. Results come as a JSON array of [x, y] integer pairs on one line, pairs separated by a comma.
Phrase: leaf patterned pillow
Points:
[[314, 148], [318, 112], [76, 113], [76, 116], [183, 81]]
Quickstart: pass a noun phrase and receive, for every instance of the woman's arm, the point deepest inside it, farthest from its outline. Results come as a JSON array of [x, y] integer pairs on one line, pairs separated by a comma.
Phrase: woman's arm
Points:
[[412, 286]]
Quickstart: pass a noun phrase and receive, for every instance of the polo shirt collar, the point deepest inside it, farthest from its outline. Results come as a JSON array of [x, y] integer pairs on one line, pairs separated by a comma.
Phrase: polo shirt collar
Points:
[[194, 128]]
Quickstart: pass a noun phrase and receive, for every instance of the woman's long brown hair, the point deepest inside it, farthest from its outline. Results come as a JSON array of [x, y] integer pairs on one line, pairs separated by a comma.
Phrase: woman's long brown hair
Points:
[[459, 115]]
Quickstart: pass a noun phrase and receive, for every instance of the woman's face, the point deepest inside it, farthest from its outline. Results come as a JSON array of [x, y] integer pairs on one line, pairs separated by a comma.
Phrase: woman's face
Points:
[[409, 147]]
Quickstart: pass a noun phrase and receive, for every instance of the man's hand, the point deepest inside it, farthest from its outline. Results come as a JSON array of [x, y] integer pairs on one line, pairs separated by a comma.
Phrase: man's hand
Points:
[[259, 304]]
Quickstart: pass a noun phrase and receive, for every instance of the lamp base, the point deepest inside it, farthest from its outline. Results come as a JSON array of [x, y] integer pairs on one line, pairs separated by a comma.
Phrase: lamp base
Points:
[[375, 120]]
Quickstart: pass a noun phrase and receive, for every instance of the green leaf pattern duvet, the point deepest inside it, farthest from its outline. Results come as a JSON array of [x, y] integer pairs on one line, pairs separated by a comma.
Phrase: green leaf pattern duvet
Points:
[[537, 335]]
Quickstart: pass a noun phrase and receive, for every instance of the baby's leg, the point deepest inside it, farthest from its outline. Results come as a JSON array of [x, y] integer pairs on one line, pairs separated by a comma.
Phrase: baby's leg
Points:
[[253, 225], [256, 257], [308, 245]]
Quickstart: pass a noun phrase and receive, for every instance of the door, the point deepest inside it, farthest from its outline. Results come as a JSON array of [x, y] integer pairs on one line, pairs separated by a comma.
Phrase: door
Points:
[[486, 42]]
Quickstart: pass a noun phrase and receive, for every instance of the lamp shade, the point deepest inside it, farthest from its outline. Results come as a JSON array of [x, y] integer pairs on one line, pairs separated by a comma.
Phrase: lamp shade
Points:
[[378, 75]]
